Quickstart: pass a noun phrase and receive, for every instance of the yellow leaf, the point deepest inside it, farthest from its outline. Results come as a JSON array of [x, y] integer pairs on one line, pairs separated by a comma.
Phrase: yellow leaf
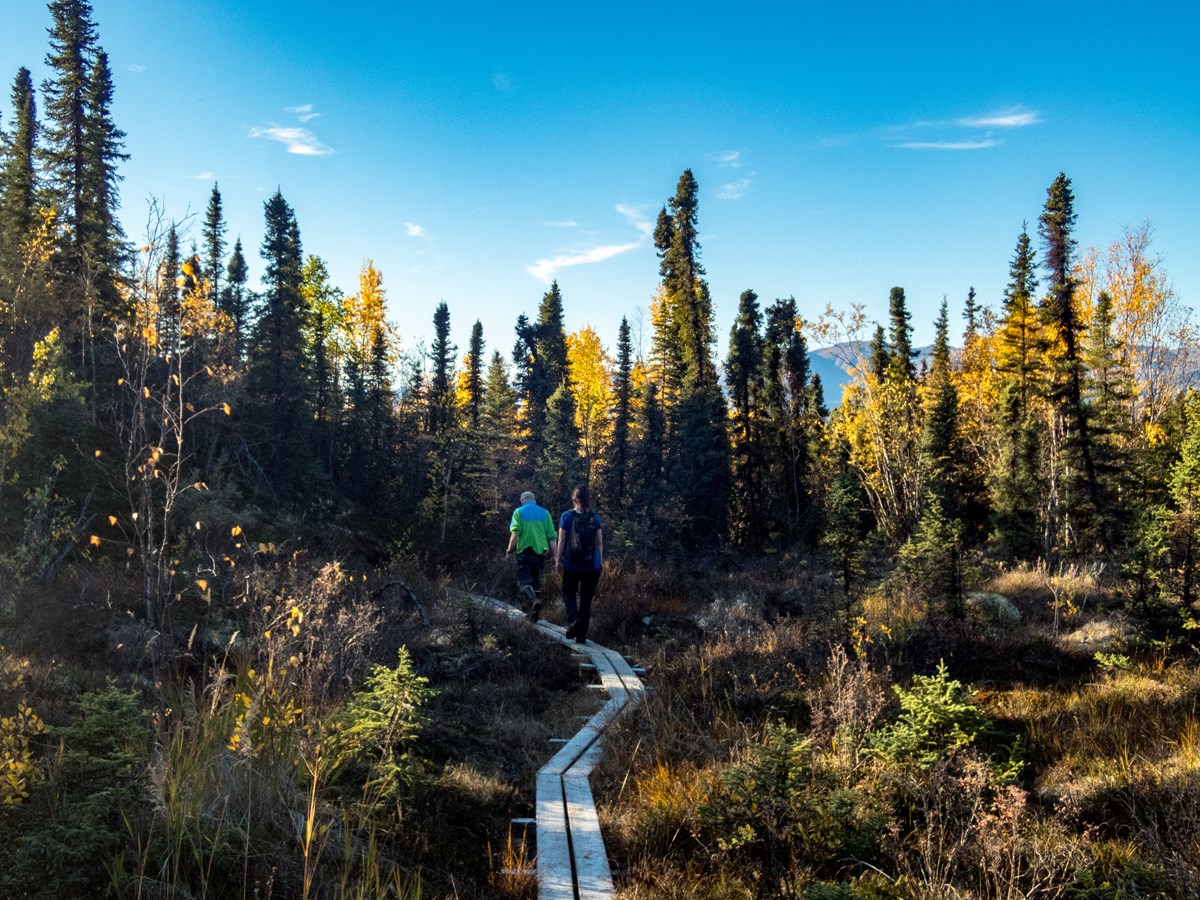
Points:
[[236, 530], [97, 454], [129, 551], [146, 392], [225, 407], [112, 520], [203, 584], [95, 540]]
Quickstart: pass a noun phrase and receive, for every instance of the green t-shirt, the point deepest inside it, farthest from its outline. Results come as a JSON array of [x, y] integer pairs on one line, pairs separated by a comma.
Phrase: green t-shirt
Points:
[[533, 527]]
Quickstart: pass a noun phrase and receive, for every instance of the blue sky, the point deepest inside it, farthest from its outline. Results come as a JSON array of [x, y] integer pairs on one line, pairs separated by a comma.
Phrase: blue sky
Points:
[[474, 151]]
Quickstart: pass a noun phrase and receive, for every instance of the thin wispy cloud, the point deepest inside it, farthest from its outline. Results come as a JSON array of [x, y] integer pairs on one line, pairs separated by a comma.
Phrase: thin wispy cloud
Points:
[[949, 145], [304, 113], [300, 141], [502, 82], [564, 224], [731, 159], [412, 229], [202, 176], [735, 190], [1013, 119], [544, 270], [976, 132], [636, 218], [135, 68]]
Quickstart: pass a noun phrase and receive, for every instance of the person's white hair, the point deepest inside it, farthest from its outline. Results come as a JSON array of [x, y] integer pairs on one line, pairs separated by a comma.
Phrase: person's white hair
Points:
[[527, 497]]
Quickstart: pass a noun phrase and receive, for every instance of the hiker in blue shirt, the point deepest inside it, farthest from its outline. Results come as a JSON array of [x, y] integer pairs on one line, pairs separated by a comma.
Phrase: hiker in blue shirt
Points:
[[531, 535], [579, 558]]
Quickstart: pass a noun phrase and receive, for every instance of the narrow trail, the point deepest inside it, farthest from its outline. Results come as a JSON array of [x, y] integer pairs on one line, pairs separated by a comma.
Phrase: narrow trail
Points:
[[572, 863]]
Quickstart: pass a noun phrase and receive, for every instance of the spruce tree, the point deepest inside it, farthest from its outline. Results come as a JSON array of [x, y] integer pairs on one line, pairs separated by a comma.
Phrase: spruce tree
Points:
[[690, 307], [1075, 518], [970, 317], [877, 354], [561, 466], [104, 148], [214, 240], [744, 371], [941, 450], [1015, 484], [792, 415], [276, 382], [169, 306], [900, 363], [698, 454], [540, 356], [498, 439], [1108, 396], [647, 492], [235, 299], [474, 376], [440, 402], [18, 176], [65, 152], [617, 458], [322, 304]]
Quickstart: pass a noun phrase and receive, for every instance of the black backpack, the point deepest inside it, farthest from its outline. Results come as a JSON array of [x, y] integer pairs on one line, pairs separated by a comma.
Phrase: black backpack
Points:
[[581, 547]]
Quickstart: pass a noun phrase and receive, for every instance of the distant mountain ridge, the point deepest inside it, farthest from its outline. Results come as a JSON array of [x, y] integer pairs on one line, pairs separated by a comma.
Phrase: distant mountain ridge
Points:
[[833, 364]]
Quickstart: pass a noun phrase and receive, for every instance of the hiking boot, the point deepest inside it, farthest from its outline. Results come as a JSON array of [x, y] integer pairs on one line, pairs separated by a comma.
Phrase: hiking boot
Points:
[[535, 611], [572, 627], [529, 592]]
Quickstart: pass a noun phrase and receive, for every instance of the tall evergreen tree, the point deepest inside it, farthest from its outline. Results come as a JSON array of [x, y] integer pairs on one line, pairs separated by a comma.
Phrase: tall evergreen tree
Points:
[[65, 153], [498, 440], [744, 371], [474, 382], [617, 458], [323, 368], [1016, 482], [169, 306], [104, 148], [18, 176], [1073, 519], [214, 240], [793, 410], [236, 299], [689, 303], [647, 492], [698, 453], [1108, 396], [440, 405], [276, 382], [561, 466], [970, 317], [941, 450], [877, 353], [540, 356], [900, 365]]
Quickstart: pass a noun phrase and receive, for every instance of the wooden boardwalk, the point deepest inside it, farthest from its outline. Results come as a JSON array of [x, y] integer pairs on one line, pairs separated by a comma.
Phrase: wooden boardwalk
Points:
[[572, 863]]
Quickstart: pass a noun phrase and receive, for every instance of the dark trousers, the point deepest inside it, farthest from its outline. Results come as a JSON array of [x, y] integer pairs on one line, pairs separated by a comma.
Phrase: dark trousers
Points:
[[529, 570], [582, 584]]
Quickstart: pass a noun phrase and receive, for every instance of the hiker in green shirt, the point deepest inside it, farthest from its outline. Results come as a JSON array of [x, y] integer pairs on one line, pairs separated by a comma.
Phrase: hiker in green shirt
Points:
[[532, 536]]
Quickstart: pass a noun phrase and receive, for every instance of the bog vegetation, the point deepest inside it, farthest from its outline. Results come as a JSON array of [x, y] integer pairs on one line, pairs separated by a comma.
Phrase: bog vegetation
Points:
[[939, 641]]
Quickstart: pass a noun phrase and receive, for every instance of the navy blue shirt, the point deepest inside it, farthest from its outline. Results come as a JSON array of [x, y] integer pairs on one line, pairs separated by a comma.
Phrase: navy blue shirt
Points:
[[566, 522]]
